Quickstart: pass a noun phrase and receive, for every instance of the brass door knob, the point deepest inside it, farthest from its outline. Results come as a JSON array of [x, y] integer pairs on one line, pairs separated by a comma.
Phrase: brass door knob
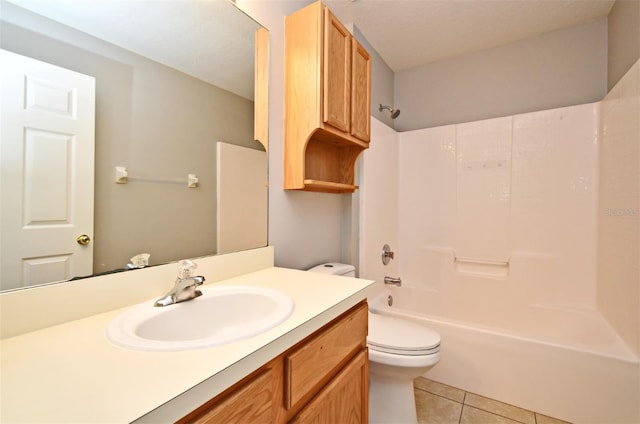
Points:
[[83, 239]]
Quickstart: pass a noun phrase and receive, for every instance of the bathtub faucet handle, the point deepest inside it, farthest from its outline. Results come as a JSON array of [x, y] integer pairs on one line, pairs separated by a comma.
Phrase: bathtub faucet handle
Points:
[[387, 254], [394, 281]]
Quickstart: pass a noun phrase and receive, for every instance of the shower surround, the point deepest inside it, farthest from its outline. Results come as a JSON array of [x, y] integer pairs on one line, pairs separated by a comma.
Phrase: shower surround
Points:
[[505, 222], [503, 210]]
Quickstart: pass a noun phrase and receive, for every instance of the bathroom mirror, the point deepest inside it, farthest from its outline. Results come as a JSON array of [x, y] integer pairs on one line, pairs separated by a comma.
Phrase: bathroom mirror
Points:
[[174, 81]]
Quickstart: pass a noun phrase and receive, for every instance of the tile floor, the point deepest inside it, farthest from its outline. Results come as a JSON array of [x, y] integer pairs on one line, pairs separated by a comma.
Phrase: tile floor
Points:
[[438, 403]]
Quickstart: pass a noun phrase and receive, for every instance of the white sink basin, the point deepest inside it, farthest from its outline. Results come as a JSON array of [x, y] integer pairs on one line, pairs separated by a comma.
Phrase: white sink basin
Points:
[[221, 315]]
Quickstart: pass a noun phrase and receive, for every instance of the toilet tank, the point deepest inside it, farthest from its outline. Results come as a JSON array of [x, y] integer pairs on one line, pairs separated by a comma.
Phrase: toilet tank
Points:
[[335, 268]]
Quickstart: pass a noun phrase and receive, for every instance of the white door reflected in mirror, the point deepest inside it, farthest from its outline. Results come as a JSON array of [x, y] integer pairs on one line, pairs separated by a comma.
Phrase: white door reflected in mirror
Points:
[[47, 145]]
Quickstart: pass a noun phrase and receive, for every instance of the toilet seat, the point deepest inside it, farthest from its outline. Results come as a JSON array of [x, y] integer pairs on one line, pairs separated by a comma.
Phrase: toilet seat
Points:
[[401, 337]]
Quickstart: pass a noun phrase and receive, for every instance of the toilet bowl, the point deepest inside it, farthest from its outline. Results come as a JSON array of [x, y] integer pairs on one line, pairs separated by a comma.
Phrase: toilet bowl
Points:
[[399, 352]]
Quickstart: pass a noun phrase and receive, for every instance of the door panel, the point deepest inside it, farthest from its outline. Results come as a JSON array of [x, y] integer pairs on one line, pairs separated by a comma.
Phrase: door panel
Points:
[[47, 171], [344, 400], [46, 194], [337, 73], [360, 92]]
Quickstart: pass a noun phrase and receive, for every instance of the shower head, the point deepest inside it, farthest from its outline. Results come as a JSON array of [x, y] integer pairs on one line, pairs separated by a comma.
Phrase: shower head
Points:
[[394, 112]]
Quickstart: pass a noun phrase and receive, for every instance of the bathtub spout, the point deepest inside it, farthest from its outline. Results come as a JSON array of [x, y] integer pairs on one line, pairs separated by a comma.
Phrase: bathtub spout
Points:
[[393, 281]]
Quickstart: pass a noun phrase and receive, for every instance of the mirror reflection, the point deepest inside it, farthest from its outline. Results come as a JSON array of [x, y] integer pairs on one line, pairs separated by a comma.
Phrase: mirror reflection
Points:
[[161, 91]]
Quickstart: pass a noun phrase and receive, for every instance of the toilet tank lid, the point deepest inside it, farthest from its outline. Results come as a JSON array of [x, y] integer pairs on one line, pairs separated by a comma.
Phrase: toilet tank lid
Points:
[[333, 268]]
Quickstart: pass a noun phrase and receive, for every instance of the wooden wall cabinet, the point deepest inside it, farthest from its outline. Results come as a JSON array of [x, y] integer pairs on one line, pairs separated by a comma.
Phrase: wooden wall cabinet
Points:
[[327, 102], [324, 378]]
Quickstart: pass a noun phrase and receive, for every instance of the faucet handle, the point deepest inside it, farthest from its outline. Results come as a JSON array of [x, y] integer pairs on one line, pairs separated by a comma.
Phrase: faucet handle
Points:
[[185, 268], [387, 254]]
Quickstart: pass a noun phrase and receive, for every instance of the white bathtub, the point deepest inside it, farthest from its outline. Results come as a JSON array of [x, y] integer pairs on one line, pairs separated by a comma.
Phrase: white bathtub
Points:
[[562, 362]]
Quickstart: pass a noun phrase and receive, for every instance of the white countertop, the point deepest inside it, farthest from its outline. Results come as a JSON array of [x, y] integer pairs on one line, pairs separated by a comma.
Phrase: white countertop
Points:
[[72, 373]]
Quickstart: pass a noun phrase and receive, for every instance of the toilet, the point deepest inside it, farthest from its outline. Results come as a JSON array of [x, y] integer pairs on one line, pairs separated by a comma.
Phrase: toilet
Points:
[[399, 352]]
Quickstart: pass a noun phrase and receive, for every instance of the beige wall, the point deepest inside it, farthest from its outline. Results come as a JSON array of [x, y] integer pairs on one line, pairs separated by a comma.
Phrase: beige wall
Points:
[[557, 69], [159, 123], [623, 39]]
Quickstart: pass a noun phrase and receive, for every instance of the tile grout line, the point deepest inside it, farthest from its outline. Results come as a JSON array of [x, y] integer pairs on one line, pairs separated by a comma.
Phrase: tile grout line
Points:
[[535, 420], [439, 395], [497, 415], [464, 399], [491, 412]]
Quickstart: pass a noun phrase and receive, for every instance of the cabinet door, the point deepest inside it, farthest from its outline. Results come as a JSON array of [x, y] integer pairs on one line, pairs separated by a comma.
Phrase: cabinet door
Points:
[[360, 92], [344, 399], [336, 73], [252, 402], [311, 365]]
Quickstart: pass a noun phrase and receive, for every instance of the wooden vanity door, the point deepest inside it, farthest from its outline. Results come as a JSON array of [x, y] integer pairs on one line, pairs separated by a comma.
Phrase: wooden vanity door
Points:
[[344, 399], [256, 399]]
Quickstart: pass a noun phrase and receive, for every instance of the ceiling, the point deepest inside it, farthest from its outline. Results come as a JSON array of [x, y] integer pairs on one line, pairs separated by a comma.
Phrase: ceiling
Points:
[[406, 33], [409, 33]]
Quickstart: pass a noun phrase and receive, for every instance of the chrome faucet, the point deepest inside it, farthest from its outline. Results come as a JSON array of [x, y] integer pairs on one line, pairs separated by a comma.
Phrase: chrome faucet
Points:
[[185, 286], [393, 281]]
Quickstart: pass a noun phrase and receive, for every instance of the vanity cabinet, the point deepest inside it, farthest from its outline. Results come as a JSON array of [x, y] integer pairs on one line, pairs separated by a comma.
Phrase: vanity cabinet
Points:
[[327, 102], [324, 378], [344, 398], [252, 400], [322, 365]]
